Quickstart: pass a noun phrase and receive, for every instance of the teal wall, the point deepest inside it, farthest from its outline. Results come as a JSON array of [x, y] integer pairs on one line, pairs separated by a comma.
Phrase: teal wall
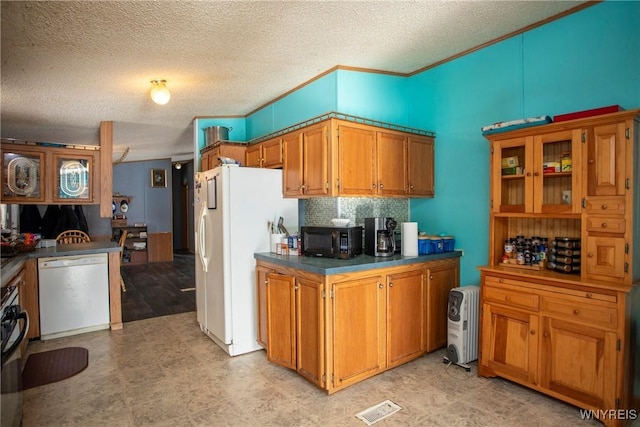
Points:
[[586, 60]]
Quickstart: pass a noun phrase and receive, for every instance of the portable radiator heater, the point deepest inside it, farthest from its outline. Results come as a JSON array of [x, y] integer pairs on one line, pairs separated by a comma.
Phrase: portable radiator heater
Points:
[[462, 326]]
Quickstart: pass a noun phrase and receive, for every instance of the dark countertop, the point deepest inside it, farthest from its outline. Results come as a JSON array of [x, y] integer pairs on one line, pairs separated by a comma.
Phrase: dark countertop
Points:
[[10, 266], [328, 266]]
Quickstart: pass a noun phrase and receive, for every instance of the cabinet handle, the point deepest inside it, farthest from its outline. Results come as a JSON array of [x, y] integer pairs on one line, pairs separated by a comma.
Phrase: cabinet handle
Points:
[[604, 225], [536, 174], [603, 207], [411, 187], [590, 255], [501, 280], [373, 186], [590, 161], [545, 334], [576, 311], [391, 285], [533, 332], [380, 285], [589, 295], [507, 298], [381, 185], [304, 187], [528, 174], [430, 277]]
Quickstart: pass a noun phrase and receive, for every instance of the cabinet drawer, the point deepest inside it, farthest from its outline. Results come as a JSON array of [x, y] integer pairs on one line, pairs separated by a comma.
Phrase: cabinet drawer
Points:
[[605, 205], [583, 313], [513, 298], [606, 224]]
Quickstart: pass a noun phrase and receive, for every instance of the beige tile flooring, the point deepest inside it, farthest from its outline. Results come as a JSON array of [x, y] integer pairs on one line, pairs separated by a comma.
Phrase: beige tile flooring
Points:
[[165, 372]]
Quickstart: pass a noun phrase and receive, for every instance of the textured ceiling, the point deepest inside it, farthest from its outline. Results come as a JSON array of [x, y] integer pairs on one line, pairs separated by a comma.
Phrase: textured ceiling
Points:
[[68, 65]]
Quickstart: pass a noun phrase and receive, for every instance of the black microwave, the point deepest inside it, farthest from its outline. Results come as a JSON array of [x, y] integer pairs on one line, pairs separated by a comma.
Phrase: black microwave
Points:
[[331, 242]]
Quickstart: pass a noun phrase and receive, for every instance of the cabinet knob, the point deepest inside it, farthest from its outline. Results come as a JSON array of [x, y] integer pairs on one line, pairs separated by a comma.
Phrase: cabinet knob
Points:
[[589, 295], [507, 298], [604, 225], [603, 207], [380, 285], [381, 185], [545, 334], [373, 186], [576, 311], [590, 255], [431, 277], [528, 174], [391, 285], [590, 161], [411, 187], [304, 187], [533, 332], [536, 174]]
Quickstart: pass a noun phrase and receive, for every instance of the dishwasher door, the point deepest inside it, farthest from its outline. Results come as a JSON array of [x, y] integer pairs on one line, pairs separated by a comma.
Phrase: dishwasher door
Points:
[[74, 294]]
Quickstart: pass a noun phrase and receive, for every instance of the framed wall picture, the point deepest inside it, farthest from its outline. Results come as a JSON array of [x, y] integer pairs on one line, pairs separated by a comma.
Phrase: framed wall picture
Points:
[[158, 177]]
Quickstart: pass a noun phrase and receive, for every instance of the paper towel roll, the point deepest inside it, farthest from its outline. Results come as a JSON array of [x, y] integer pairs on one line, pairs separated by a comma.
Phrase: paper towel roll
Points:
[[409, 238]]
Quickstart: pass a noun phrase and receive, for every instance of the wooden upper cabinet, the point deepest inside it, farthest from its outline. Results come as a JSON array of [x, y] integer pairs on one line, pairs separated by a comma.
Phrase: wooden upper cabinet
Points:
[[315, 148], [272, 153], [23, 175], [306, 162], [253, 156], [356, 160], [420, 166], [391, 161], [606, 160], [73, 177]]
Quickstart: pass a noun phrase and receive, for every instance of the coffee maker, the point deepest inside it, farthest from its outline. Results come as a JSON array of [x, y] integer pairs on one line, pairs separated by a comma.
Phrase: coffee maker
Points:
[[378, 236]]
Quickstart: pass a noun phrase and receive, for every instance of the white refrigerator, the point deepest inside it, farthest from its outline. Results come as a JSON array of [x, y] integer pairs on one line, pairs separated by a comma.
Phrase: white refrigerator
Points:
[[232, 207]]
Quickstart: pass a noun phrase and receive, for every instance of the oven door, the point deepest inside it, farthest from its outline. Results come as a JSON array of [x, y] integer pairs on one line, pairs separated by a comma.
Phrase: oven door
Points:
[[15, 322]]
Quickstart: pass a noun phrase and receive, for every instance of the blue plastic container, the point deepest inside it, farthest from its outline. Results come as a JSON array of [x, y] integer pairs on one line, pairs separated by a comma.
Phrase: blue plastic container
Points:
[[436, 245], [423, 245], [448, 243]]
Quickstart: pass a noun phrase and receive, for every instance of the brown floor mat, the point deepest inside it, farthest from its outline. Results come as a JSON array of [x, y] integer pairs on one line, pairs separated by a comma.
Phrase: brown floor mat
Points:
[[54, 365]]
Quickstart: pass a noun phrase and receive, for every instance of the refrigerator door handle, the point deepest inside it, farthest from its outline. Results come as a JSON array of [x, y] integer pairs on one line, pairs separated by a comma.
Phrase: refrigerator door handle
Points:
[[202, 240]]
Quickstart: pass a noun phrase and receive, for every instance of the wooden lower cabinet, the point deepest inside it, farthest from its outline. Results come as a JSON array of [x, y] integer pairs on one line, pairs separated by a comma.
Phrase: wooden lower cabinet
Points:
[[442, 276], [337, 330], [565, 338]]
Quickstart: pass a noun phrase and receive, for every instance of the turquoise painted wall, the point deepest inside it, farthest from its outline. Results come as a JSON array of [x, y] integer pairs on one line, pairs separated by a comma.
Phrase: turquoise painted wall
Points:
[[586, 60]]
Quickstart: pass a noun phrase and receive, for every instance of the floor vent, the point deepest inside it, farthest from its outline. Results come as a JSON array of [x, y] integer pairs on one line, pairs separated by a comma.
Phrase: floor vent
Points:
[[378, 412]]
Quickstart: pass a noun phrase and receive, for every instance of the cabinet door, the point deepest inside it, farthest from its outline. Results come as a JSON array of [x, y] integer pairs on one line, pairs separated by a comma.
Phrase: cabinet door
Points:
[[509, 344], [261, 304], [292, 165], [315, 146], [605, 257], [281, 318], [272, 153], [579, 362], [253, 156], [512, 187], [358, 329], [73, 177], [439, 282], [356, 161], [204, 161], [405, 317], [391, 160], [420, 167], [212, 158], [310, 330], [557, 190], [605, 160], [22, 175]]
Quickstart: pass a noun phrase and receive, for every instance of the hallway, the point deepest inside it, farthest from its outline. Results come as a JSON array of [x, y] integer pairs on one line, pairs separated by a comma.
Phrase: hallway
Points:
[[159, 288]]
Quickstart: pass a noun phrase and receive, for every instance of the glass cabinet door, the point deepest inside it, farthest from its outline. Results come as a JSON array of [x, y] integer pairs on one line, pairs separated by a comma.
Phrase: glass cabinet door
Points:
[[557, 188], [73, 178], [22, 175], [511, 174]]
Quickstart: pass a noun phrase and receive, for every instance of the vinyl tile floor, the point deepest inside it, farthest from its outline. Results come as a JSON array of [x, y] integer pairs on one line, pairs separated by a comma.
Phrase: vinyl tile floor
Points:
[[164, 371]]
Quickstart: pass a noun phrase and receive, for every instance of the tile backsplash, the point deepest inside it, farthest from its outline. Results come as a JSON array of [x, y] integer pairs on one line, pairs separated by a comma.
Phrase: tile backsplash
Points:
[[320, 210]]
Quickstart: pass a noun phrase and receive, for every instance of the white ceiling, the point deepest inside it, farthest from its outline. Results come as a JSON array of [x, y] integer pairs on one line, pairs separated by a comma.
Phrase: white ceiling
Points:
[[67, 65]]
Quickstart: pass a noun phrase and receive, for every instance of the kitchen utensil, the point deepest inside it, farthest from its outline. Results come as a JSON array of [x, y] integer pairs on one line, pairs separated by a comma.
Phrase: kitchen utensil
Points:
[[281, 227], [217, 133]]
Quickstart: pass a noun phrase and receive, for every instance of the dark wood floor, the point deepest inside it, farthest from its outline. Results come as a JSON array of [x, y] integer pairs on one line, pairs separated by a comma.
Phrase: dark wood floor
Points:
[[159, 288]]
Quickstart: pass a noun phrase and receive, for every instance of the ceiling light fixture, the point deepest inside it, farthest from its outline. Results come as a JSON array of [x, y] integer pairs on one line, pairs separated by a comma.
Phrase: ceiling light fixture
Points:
[[159, 92]]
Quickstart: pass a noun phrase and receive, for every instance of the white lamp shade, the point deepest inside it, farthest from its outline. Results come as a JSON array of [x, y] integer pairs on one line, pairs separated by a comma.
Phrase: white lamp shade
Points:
[[159, 92]]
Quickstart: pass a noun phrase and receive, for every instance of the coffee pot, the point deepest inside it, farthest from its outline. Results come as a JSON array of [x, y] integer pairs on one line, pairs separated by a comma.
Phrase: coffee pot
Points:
[[379, 239]]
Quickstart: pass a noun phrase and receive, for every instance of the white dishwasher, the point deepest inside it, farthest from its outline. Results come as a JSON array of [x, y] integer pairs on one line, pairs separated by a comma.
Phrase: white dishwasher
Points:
[[74, 294]]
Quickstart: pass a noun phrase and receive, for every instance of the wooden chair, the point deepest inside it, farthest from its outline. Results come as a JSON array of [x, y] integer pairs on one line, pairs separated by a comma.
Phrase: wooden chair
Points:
[[73, 236], [123, 239]]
